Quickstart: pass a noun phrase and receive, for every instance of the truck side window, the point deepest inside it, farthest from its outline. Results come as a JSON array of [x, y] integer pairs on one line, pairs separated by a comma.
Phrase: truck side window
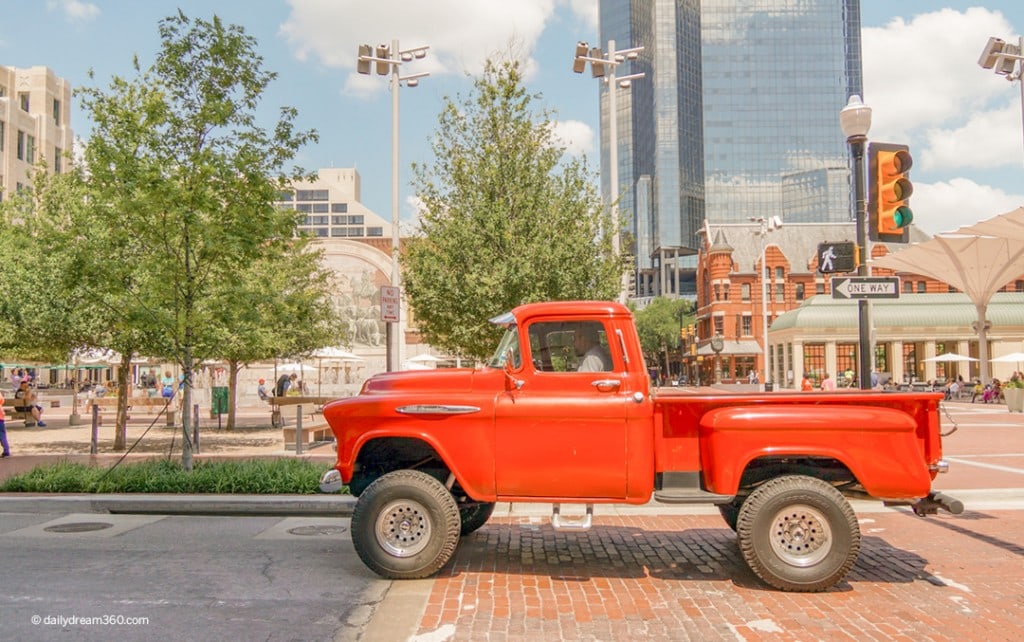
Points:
[[572, 346]]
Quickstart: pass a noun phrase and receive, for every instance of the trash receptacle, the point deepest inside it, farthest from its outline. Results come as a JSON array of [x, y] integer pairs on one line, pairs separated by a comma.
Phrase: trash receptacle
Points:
[[219, 402], [768, 386]]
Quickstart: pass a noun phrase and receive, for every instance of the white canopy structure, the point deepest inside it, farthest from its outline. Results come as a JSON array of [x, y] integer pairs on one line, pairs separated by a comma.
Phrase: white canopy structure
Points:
[[978, 260]]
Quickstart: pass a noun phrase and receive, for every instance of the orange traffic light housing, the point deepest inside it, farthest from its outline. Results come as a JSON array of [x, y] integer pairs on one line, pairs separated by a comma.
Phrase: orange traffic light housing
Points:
[[889, 194]]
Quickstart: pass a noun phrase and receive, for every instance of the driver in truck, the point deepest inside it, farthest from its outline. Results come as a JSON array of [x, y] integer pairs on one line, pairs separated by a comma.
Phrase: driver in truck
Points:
[[593, 357]]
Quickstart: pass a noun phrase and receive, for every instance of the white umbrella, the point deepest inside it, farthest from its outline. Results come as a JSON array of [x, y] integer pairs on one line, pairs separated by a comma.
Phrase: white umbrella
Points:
[[331, 354], [298, 368], [425, 358], [1013, 357], [950, 357], [339, 354]]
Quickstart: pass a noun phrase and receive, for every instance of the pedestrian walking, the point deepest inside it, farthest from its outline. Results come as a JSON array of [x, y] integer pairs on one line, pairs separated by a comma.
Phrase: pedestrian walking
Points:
[[3, 429]]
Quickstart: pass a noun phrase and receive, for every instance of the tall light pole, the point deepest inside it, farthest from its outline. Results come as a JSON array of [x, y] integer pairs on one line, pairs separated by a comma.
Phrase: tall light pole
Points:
[[388, 60], [855, 121], [767, 224], [603, 66], [1002, 58]]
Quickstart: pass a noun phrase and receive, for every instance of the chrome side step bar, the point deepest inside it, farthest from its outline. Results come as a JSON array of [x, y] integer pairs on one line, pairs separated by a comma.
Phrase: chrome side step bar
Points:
[[582, 524]]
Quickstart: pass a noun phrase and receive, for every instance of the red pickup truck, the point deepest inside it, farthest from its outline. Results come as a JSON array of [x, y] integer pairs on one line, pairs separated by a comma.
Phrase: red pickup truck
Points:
[[564, 414]]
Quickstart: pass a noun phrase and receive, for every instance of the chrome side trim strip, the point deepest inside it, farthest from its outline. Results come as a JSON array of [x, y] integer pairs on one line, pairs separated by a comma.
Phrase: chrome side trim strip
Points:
[[436, 409]]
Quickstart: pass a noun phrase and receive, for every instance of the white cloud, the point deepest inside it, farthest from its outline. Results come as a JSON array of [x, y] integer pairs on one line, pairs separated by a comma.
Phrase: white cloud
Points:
[[923, 73], [74, 9], [945, 206], [986, 140], [587, 10], [461, 34], [576, 136]]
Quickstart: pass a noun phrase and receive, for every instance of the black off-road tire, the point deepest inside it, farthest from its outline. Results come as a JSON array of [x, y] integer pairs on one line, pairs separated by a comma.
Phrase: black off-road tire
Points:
[[730, 513], [405, 525], [798, 533], [475, 516]]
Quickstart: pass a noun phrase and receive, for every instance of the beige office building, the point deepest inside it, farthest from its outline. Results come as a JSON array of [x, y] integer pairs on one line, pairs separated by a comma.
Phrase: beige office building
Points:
[[35, 124]]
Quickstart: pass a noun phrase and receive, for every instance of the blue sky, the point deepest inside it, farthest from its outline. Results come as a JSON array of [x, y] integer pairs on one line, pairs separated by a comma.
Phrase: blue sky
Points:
[[922, 80]]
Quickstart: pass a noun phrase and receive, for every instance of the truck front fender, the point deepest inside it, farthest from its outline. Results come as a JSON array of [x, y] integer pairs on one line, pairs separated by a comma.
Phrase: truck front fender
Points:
[[474, 474], [880, 446]]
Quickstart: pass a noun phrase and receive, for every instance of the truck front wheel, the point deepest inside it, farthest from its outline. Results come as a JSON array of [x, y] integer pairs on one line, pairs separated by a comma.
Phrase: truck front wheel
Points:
[[405, 525], [798, 533]]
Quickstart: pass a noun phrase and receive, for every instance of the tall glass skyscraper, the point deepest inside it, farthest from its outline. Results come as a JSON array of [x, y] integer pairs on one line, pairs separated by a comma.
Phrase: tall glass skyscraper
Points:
[[737, 117]]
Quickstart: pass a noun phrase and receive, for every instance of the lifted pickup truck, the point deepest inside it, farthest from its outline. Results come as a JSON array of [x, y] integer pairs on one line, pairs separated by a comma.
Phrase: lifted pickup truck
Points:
[[564, 413]]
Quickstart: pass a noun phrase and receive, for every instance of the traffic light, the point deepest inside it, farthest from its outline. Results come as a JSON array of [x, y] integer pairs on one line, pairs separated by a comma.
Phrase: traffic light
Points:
[[890, 189], [363, 65]]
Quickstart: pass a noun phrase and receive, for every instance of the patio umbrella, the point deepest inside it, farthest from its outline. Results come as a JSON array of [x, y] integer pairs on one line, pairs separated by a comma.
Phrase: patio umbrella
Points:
[[1013, 357], [331, 353], [977, 265], [950, 357]]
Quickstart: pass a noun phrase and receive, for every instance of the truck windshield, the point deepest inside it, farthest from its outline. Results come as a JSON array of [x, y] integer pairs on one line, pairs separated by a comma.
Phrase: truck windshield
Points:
[[509, 342]]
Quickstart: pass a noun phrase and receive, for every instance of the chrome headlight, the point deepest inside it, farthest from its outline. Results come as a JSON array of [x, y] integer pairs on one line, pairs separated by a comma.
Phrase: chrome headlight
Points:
[[330, 481]]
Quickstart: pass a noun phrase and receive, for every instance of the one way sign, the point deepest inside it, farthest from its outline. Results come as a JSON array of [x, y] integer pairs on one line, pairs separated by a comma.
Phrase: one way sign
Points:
[[866, 287]]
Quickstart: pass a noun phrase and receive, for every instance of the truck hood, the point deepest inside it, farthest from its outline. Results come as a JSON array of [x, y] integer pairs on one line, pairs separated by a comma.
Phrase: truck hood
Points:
[[429, 381]]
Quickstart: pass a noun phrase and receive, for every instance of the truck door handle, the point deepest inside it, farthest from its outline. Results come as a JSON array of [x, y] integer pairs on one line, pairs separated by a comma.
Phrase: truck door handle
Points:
[[607, 385]]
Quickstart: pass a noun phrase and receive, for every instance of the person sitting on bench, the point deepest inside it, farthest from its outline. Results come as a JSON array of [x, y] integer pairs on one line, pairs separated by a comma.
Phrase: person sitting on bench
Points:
[[25, 401]]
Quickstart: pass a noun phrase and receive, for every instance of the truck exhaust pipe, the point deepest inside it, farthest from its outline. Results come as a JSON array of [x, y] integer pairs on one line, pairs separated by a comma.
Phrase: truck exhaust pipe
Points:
[[934, 501]]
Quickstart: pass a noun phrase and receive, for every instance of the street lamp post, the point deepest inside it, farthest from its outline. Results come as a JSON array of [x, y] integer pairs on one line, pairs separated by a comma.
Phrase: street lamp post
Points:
[[855, 121], [767, 224], [604, 66], [1003, 58], [388, 61]]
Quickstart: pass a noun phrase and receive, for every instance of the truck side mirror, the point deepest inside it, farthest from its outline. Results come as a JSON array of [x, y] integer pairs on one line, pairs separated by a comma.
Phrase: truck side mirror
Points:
[[511, 383]]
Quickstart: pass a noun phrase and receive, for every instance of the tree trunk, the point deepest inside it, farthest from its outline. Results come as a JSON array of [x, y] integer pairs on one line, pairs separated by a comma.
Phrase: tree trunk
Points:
[[123, 390], [233, 368], [186, 409]]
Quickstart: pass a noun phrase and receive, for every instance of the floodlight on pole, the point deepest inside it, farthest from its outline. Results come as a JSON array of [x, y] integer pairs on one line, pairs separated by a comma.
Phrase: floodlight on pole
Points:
[[389, 59], [1003, 59], [603, 66], [855, 121]]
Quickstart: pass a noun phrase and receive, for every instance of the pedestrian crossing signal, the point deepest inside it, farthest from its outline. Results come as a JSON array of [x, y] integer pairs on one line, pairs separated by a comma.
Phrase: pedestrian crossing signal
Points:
[[837, 257]]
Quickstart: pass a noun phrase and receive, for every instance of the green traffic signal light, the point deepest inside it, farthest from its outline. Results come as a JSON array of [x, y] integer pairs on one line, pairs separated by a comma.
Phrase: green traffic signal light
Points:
[[890, 190]]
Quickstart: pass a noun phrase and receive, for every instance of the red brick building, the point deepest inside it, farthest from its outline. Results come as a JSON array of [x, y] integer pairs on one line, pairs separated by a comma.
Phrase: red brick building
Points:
[[729, 304]]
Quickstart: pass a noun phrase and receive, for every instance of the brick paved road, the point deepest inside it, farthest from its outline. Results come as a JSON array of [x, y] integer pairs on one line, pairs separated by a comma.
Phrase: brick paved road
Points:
[[649, 576], [682, 578]]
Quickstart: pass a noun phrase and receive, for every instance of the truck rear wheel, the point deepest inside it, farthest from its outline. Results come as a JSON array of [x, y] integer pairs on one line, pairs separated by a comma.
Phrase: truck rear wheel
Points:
[[798, 533], [405, 525], [475, 516]]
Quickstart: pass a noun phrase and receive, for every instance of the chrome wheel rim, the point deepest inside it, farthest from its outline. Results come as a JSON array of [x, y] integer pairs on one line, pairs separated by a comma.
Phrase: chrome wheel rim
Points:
[[403, 528], [800, 535]]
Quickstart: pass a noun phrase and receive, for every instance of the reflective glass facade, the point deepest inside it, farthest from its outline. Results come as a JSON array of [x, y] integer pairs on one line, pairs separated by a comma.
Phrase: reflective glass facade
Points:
[[737, 117]]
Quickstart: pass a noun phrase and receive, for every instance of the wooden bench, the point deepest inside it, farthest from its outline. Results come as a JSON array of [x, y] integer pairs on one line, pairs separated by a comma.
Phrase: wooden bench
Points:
[[18, 415], [315, 434], [149, 403], [277, 411]]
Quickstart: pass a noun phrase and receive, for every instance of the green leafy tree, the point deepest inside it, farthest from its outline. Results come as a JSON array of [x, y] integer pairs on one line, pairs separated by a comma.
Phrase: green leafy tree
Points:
[[298, 318], [178, 163], [506, 219], [658, 325]]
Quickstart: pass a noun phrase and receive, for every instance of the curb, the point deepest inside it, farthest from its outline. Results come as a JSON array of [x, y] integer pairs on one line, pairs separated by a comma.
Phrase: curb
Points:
[[342, 505], [169, 504]]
